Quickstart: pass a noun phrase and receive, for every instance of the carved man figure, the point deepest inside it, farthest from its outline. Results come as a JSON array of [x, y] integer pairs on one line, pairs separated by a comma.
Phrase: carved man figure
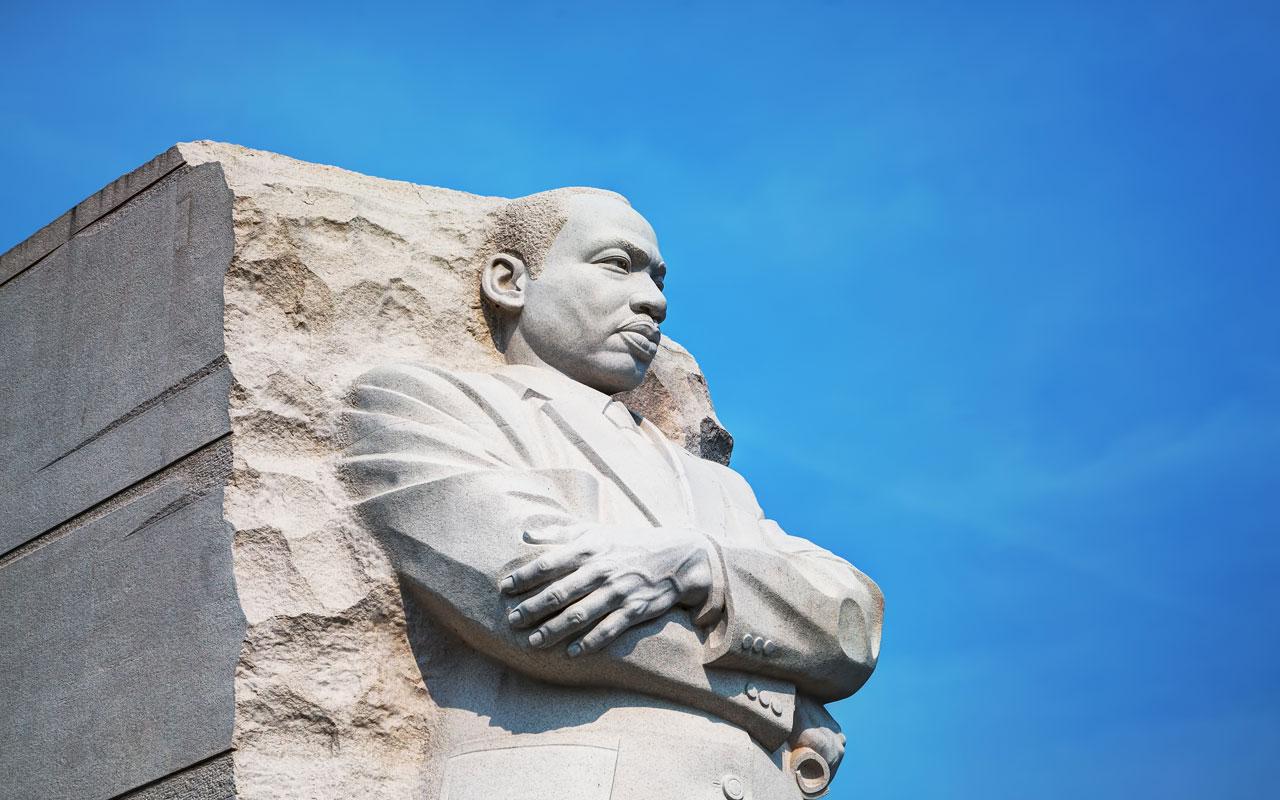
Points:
[[599, 614]]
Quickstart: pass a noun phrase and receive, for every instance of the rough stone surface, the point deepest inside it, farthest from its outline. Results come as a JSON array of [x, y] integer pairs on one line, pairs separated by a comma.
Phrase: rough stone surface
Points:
[[213, 779], [334, 271], [674, 397], [175, 349]]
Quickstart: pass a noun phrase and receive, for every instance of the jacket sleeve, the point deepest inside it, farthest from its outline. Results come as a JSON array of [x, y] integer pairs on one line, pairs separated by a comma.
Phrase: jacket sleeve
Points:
[[444, 476], [792, 609]]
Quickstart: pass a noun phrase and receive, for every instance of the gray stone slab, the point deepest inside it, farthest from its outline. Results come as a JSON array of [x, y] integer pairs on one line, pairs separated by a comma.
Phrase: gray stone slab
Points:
[[209, 780], [37, 246], [119, 642], [111, 346], [90, 210]]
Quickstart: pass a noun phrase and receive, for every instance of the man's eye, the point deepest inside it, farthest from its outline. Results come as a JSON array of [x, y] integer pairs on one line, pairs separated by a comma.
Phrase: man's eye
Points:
[[619, 262]]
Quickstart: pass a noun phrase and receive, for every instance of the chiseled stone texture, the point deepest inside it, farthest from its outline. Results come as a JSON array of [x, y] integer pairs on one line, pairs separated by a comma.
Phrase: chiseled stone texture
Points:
[[213, 779], [334, 272]]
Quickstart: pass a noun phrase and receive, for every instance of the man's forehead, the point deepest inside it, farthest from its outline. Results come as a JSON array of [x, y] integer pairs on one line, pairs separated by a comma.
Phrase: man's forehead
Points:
[[592, 213], [591, 217]]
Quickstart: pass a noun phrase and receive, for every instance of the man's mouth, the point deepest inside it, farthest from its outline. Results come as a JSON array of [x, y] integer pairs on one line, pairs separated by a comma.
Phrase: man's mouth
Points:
[[642, 336]]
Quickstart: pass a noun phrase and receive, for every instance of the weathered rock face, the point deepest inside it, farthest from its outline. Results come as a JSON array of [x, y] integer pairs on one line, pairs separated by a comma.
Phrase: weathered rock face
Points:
[[191, 609], [333, 272], [674, 397]]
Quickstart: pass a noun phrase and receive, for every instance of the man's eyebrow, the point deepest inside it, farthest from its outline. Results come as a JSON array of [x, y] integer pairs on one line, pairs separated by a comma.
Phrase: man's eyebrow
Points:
[[638, 254]]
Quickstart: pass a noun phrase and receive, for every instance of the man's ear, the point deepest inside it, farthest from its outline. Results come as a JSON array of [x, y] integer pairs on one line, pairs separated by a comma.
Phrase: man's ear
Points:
[[503, 280]]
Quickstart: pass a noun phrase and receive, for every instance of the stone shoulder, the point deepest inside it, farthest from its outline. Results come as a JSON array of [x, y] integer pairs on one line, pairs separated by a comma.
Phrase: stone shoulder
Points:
[[438, 387]]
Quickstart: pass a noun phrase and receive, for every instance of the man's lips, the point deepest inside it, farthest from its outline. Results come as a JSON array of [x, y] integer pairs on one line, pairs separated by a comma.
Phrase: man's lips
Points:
[[643, 326], [642, 336]]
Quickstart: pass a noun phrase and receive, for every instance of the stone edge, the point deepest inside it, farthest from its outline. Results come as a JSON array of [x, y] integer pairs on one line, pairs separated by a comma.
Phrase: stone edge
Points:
[[210, 777], [40, 244]]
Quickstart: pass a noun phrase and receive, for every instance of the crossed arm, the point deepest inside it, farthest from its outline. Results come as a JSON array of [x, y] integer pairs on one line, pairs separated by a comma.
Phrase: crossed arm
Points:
[[607, 580], [592, 589], [515, 560]]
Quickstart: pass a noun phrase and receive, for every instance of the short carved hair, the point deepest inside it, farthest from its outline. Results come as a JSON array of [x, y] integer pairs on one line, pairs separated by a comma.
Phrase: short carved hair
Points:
[[528, 225]]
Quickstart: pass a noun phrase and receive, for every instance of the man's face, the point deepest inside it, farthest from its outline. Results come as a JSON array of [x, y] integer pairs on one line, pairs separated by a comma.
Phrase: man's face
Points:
[[594, 309]]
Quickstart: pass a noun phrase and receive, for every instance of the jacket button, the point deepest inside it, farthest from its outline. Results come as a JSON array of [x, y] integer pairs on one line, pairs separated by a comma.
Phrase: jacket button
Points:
[[764, 699], [769, 647], [733, 787], [758, 645], [777, 708], [752, 691], [747, 641]]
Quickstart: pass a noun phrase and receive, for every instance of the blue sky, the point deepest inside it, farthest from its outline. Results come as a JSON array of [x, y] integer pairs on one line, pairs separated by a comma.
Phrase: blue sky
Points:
[[989, 294]]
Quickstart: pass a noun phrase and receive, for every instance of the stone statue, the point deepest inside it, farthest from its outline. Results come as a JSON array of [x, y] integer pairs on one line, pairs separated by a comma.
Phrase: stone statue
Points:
[[598, 613]]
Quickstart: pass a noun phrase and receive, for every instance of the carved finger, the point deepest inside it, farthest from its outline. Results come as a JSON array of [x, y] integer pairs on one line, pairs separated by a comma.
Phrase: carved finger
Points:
[[833, 762], [616, 623], [556, 596], [548, 566], [573, 619], [827, 744]]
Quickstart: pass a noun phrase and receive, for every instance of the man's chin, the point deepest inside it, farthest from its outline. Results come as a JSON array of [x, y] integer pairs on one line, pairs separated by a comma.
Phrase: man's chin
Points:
[[619, 374]]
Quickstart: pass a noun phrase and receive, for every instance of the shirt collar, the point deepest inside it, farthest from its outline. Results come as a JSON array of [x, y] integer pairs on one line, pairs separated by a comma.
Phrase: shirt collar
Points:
[[555, 385]]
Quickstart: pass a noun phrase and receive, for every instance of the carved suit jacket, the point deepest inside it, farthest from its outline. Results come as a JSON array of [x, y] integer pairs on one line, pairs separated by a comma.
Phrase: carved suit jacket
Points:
[[465, 477]]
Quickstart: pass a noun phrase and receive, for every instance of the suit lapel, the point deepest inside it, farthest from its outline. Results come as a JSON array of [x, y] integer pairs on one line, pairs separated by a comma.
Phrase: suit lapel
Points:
[[578, 413], [596, 438], [675, 458], [702, 493]]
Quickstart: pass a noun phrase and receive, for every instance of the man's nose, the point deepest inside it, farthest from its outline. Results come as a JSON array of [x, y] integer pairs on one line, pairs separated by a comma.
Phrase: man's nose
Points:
[[649, 299]]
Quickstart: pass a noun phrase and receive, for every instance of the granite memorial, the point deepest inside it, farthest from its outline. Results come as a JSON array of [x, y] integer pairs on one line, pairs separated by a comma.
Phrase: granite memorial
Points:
[[321, 485]]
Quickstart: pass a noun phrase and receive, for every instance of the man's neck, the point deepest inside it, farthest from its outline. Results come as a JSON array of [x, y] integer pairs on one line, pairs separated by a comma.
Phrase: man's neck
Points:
[[519, 353]]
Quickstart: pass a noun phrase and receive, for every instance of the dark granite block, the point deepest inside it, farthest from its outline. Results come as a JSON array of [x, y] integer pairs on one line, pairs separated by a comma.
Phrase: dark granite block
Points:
[[110, 347], [119, 640]]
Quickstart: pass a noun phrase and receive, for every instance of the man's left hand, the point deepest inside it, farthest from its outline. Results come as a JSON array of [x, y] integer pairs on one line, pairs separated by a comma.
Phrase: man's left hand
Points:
[[608, 580], [816, 729]]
